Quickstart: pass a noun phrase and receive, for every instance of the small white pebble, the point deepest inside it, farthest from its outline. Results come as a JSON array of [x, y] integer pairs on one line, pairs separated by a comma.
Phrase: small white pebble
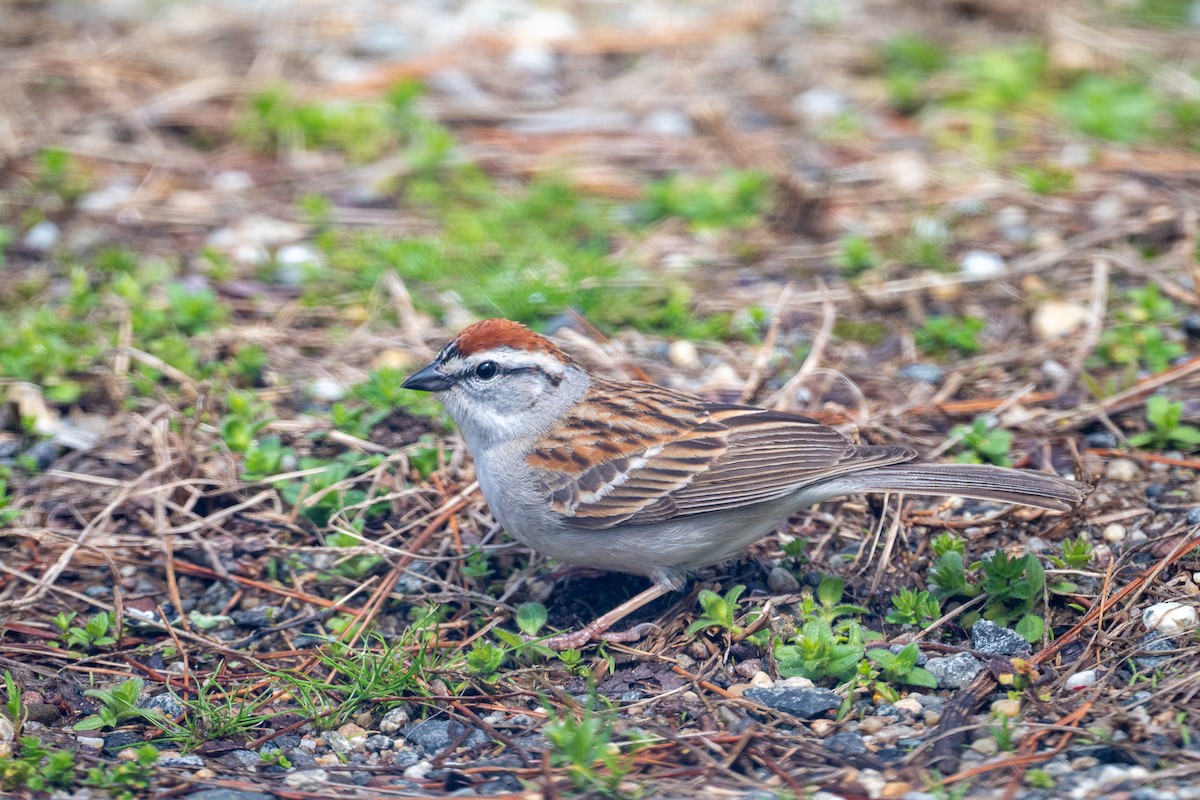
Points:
[[873, 725], [982, 264], [1053, 319], [683, 355], [1170, 618], [909, 704], [1114, 532], [1122, 470], [822, 727], [1081, 680], [418, 771], [42, 236], [1007, 708], [796, 682], [232, 181], [986, 746], [327, 390], [761, 680]]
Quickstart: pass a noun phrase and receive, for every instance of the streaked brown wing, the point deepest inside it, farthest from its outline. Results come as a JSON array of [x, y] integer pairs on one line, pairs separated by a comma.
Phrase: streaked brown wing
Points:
[[700, 457], [770, 455]]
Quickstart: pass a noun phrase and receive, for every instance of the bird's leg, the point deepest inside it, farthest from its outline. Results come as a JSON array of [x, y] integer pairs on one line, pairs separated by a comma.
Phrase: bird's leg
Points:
[[599, 628]]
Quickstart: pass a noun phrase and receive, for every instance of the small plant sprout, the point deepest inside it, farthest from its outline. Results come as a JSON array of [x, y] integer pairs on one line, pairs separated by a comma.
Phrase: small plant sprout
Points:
[[1166, 428], [902, 667], [913, 608], [117, 706], [855, 255], [982, 443], [1013, 586], [817, 652], [942, 335], [1076, 554], [94, 633], [584, 742], [718, 611], [12, 704], [828, 603]]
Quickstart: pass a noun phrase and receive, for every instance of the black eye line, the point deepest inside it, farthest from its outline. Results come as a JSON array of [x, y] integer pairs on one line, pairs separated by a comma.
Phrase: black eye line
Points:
[[554, 380]]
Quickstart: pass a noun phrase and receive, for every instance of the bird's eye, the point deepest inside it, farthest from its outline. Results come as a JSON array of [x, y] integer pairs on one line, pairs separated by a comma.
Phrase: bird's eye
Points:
[[487, 370]]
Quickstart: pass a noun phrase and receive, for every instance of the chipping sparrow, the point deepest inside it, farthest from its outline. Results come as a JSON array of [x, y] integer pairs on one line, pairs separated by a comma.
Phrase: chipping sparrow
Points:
[[637, 478]]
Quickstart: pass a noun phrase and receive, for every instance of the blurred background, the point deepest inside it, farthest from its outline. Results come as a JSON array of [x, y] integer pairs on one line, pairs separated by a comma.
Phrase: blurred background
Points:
[[663, 166]]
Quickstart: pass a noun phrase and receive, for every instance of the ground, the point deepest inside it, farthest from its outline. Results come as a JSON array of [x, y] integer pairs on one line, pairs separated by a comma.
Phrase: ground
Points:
[[240, 560]]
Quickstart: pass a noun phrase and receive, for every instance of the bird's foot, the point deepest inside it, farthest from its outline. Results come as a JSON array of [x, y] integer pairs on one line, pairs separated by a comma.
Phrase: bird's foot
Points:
[[596, 633]]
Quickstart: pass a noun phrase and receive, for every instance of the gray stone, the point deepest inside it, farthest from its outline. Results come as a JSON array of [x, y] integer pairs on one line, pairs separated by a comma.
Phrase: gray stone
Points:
[[377, 742], [191, 761], [988, 637], [846, 743], [1102, 440], [922, 373], [1154, 643], [166, 702], [257, 617], [435, 735], [42, 453], [121, 740], [956, 671], [803, 703], [394, 720], [228, 794], [1193, 516], [242, 759], [782, 581]]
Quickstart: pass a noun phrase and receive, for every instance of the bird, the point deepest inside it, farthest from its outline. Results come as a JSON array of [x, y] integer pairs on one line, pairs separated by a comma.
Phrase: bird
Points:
[[632, 477]]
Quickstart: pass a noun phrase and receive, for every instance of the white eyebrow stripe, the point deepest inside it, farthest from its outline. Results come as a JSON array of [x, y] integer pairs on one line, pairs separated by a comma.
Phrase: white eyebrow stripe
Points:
[[509, 358]]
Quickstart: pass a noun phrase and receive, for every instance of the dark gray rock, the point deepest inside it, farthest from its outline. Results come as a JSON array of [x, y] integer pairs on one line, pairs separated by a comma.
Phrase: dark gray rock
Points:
[[1191, 326], [166, 702], [922, 373], [119, 740], [1193, 516], [800, 702], [215, 598], [42, 453], [956, 671], [228, 794], [258, 617], [1154, 643], [1102, 440], [435, 735], [505, 784], [988, 637], [846, 743], [242, 759], [377, 742]]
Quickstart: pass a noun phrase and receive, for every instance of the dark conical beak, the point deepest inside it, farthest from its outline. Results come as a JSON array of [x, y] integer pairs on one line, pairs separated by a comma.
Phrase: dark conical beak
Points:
[[428, 380]]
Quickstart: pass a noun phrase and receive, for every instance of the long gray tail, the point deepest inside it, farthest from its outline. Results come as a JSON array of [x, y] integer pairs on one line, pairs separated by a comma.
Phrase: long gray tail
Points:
[[974, 480]]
